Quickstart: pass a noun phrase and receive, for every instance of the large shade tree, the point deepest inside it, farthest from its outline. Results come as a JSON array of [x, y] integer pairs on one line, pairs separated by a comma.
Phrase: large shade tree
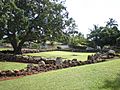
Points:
[[28, 20]]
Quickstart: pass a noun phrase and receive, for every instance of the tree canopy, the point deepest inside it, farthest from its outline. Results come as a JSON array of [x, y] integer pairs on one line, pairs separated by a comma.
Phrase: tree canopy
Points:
[[105, 35], [28, 20]]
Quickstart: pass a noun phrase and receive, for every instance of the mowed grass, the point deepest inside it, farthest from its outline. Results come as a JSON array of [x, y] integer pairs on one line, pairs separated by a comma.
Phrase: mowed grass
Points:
[[100, 76], [2, 49], [11, 66], [63, 54]]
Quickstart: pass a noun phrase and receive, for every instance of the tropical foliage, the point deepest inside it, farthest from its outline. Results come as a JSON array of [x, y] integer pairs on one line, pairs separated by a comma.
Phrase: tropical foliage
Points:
[[105, 35], [28, 20]]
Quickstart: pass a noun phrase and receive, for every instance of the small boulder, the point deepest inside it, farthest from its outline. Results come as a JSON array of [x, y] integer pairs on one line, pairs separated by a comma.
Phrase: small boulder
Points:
[[41, 63], [58, 61], [111, 52]]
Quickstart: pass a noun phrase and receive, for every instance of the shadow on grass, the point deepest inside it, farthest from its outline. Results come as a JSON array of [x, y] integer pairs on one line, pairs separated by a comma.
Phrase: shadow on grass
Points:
[[112, 84]]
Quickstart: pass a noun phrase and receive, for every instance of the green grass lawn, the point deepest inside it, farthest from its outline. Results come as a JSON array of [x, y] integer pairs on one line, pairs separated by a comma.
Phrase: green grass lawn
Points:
[[1, 49], [11, 66], [100, 76], [63, 54]]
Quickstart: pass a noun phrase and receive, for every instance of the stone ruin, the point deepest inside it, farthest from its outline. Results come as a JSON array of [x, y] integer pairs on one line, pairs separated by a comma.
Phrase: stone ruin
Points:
[[43, 65], [102, 56], [25, 59]]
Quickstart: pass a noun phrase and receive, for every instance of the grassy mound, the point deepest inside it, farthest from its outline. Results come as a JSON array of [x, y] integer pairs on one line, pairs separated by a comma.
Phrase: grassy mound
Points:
[[100, 76], [63, 54]]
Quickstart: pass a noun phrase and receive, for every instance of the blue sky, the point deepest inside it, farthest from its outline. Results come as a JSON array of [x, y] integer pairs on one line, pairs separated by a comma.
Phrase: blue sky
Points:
[[89, 12]]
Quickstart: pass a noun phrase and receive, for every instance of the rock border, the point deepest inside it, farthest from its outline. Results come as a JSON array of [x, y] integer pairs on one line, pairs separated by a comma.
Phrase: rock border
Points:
[[44, 65]]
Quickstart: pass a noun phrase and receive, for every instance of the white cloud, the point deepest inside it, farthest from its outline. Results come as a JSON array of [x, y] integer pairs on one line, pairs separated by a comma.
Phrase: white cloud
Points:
[[89, 12]]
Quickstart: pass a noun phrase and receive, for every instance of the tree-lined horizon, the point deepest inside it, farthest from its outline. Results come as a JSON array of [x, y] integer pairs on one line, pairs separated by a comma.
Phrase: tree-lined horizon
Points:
[[105, 35], [48, 20]]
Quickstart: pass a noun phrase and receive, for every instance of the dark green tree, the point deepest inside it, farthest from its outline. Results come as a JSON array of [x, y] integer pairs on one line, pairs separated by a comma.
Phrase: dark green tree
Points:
[[28, 20], [105, 35], [111, 23], [109, 35], [95, 35]]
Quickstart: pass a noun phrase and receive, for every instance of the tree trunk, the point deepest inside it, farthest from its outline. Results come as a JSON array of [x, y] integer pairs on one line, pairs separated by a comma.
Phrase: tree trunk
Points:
[[17, 47], [17, 50]]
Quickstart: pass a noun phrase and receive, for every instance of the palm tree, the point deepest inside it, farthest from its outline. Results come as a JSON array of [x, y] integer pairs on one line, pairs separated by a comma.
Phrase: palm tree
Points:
[[95, 35], [111, 23]]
